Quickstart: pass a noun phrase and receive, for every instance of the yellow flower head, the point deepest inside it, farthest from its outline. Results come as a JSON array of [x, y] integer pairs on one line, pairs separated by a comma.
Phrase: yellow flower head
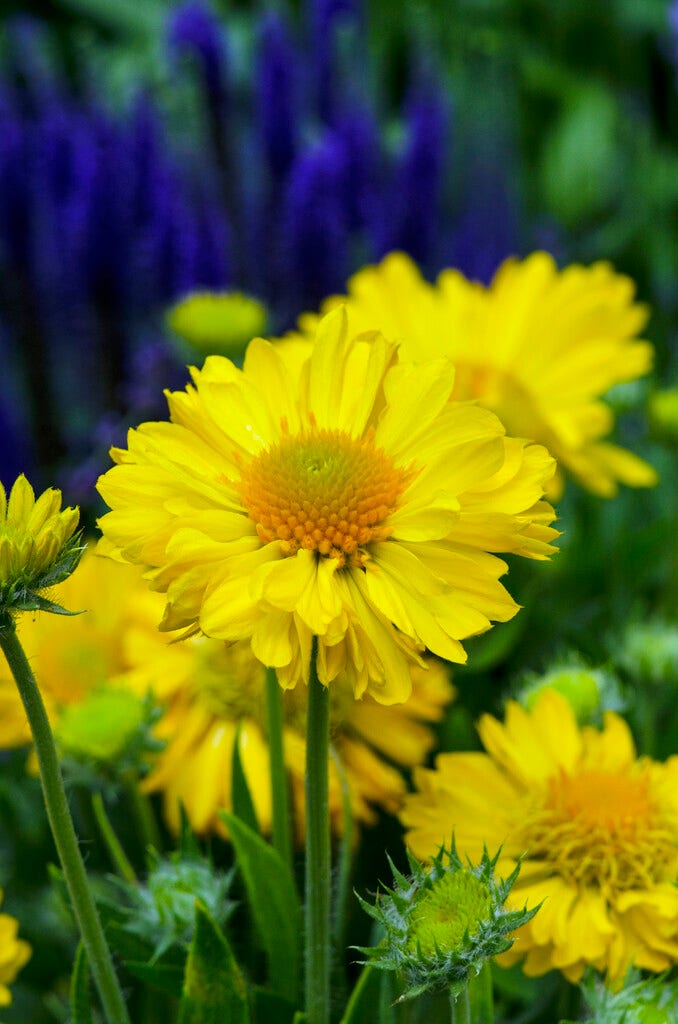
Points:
[[214, 696], [14, 953], [538, 346], [597, 826], [37, 546], [217, 322], [346, 498]]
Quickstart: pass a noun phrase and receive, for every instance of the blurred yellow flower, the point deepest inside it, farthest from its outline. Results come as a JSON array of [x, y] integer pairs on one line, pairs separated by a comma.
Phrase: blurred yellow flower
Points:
[[214, 692], [14, 953], [538, 346], [350, 500], [73, 664], [597, 826], [37, 547]]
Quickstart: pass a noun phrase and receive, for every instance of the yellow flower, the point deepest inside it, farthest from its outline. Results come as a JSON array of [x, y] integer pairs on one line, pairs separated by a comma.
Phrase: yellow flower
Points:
[[217, 322], [351, 500], [539, 347], [214, 692], [73, 664], [598, 828], [14, 953], [37, 547]]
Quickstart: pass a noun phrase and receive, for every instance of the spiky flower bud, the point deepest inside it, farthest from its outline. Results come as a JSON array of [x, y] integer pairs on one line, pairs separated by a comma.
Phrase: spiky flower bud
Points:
[[443, 922], [38, 548], [640, 1001]]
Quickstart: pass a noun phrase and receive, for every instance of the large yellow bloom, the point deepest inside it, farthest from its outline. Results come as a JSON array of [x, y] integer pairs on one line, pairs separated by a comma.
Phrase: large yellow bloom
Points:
[[539, 347], [598, 828], [14, 953], [214, 693], [349, 499]]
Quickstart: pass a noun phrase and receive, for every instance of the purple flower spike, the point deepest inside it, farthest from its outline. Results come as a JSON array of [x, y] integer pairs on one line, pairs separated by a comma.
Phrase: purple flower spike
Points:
[[194, 28], [277, 95]]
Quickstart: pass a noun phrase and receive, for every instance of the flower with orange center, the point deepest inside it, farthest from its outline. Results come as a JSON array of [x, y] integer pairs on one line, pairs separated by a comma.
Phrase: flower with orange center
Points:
[[539, 346], [345, 498], [597, 827]]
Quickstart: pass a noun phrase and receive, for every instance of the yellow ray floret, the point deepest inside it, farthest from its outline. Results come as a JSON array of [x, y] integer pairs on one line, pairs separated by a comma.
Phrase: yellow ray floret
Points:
[[14, 953], [539, 346], [345, 497], [597, 826]]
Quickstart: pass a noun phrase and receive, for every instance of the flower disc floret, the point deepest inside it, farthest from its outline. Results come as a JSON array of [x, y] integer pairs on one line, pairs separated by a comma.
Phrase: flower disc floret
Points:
[[323, 491], [341, 496]]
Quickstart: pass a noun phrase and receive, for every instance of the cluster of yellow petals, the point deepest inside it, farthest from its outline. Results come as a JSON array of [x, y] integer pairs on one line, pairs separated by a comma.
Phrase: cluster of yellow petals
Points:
[[32, 532], [343, 496], [597, 827], [538, 346]]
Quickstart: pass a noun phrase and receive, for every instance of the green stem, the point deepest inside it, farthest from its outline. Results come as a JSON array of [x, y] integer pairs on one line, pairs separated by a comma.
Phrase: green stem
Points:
[[317, 849], [460, 1008], [143, 813], [98, 953], [481, 996], [113, 845], [282, 834]]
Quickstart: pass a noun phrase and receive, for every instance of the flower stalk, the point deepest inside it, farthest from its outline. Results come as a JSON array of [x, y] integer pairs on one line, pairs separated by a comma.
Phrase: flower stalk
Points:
[[61, 823], [317, 849]]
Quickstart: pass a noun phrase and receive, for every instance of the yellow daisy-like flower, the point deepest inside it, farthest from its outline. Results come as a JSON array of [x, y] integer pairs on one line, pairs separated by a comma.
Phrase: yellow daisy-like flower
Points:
[[214, 693], [72, 664], [37, 547], [350, 500], [14, 953], [538, 346], [597, 826]]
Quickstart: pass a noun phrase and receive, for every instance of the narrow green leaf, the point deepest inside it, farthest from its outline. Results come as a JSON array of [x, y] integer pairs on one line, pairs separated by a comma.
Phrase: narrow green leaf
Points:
[[214, 988], [363, 1006], [81, 1008], [241, 798], [273, 902]]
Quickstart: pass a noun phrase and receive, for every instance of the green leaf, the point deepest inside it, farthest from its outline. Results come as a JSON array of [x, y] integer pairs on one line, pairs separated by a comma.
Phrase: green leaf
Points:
[[165, 977], [81, 1008], [363, 1006], [270, 1008], [241, 798], [214, 988], [273, 901]]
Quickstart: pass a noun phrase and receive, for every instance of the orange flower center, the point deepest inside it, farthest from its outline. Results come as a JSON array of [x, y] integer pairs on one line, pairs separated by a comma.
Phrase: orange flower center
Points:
[[325, 491], [603, 828]]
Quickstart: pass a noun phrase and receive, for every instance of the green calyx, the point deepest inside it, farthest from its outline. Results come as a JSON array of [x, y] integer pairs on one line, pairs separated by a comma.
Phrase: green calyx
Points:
[[25, 591], [641, 1000], [443, 922]]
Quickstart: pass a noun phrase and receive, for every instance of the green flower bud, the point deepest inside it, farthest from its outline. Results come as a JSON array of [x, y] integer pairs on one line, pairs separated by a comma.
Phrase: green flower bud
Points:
[[102, 725], [218, 323], [443, 922], [649, 651]]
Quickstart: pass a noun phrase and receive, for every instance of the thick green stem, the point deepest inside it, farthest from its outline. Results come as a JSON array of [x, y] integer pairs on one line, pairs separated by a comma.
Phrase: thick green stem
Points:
[[282, 833], [481, 996], [98, 953], [460, 1008], [317, 849], [345, 856]]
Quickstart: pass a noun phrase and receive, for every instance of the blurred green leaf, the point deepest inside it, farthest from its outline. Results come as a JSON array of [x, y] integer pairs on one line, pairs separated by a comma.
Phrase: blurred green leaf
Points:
[[581, 158], [241, 798], [214, 987], [273, 902], [81, 1009]]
